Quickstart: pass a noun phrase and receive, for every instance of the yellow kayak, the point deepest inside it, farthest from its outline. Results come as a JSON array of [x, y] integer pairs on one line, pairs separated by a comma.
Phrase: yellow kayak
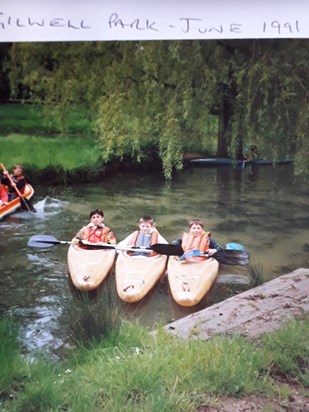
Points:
[[190, 281], [89, 267], [14, 204], [137, 275]]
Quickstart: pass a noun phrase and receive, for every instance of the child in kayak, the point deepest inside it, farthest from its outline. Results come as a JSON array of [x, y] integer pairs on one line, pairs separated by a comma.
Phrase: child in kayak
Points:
[[198, 239], [18, 179], [96, 231], [146, 236]]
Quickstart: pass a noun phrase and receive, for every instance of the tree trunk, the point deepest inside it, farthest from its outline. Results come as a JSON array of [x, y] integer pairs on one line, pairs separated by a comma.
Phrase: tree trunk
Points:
[[225, 119], [224, 136]]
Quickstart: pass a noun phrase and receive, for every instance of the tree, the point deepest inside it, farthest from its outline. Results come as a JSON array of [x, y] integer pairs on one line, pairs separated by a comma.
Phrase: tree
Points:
[[153, 99], [4, 81]]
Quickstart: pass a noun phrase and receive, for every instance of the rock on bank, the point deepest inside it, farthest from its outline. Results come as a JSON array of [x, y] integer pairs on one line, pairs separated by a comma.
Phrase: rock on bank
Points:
[[254, 312]]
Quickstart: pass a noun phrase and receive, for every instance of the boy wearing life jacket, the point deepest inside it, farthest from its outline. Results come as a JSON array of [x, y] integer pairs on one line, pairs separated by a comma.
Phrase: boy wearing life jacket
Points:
[[18, 179], [96, 231], [146, 236], [197, 238]]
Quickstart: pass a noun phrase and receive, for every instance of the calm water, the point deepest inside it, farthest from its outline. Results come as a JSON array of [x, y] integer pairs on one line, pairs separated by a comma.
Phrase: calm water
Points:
[[267, 212]]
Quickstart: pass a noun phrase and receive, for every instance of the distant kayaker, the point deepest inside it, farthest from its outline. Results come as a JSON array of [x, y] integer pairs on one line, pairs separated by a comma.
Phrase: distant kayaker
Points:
[[146, 236], [250, 154], [96, 231], [19, 180], [198, 239]]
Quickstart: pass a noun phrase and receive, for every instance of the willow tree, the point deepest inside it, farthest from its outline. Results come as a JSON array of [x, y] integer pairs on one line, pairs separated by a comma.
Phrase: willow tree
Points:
[[158, 98], [161, 93], [153, 99], [271, 107], [60, 76]]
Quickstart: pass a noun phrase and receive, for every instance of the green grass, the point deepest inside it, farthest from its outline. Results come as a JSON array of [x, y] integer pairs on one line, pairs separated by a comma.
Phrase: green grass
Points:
[[41, 153], [11, 364], [64, 150], [289, 349], [90, 321], [143, 372], [31, 118]]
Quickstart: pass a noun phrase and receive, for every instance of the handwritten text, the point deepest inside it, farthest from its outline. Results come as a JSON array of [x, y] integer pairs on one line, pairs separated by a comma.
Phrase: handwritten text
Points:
[[10, 21]]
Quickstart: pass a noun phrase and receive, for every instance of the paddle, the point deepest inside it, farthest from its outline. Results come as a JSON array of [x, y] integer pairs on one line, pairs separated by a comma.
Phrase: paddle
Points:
[[234, 246], [45, 241], [24, 202], [225, 256]]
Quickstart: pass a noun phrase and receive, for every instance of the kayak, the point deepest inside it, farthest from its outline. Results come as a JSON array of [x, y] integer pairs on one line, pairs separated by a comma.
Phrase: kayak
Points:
[[137, 275], [15, 203], [190, 281], [89, 267], [231, 162]]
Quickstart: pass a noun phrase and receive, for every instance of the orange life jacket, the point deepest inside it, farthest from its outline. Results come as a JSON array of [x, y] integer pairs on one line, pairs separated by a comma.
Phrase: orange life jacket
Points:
[[201, 242], [153, 239], [4, 193], [95, 234]]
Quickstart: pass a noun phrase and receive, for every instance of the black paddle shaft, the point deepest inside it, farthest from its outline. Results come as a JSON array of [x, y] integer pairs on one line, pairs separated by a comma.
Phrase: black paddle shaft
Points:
[[44, 241], [26, 204]]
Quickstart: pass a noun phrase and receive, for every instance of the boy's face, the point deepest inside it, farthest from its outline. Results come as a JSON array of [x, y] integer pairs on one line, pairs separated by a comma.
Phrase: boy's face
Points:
[[97, 219], [17, 171], [196, 230], [145, 227]]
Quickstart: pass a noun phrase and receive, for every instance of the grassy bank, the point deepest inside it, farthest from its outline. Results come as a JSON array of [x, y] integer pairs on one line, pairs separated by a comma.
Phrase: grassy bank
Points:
[[61, 160], [47, 151], [43, 153], [51, 158], [40, 120], [67, 152], [146, 373]]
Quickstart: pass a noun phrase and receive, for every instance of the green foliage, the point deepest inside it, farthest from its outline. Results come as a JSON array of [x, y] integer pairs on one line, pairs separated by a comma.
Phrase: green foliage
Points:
[[153, 109], [271, 108], [97, 319], [289, 350], [161, 373], [41, 392], [154, 99], [12, 368]]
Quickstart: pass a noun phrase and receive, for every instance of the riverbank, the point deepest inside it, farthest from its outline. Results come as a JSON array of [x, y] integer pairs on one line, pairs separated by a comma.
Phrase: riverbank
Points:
[[131, 369], [140, 373], [67, 151], [63, 161]]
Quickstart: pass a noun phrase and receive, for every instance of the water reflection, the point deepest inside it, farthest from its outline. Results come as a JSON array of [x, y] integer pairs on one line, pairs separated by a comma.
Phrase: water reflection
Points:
[[267, 212]]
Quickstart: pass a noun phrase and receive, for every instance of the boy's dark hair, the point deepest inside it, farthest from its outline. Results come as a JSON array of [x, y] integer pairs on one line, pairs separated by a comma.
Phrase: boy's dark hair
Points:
[[95, 212], [147, 219], [196, 222]]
